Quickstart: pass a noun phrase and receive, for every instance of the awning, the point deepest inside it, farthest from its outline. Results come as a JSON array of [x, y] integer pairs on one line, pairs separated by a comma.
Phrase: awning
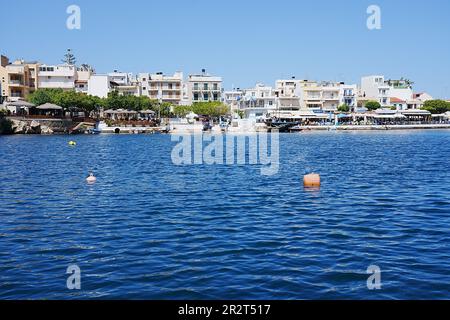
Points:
[[415, 112], [49, 106], [21, 103]]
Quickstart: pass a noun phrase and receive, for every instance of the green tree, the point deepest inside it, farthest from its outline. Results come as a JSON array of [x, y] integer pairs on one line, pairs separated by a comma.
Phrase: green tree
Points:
[[69, 58], [240, 113], [182, 111], [344, 108], [436, 106], [373, 105], [212, 108], [42, 96]]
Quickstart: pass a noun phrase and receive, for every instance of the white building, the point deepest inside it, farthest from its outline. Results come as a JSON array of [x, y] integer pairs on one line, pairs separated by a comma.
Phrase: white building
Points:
[[121, 78], [331, 97], [375, 88], [82, 80], [59, 76], [401, 89], [124, 83], [99, 85], [203, 88], [258, 101], [232, 98], [349, 96], [161, 87]]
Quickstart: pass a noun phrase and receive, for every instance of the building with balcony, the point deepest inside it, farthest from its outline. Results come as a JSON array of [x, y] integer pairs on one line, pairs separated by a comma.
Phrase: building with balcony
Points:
[[82, 79], [203, 88], [17, 79], [349, 96], [100, 85], [232, 98], [57, 77], [375, 88], [161, 87], [123, 83], [258, 101]]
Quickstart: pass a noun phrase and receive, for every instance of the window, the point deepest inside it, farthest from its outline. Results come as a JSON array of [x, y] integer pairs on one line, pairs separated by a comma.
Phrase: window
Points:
[[205, 86], [216, 97], [195, 86], [270, 103], [143, 79], [216, 87], [205, 97], [144, 88], [195, 96]]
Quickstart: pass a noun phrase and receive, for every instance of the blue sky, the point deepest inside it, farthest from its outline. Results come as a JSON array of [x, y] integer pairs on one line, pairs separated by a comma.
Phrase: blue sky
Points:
[[243, 41]]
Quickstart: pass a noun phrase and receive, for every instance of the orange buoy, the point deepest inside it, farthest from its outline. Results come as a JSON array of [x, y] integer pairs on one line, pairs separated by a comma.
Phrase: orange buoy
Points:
[[311, 180]]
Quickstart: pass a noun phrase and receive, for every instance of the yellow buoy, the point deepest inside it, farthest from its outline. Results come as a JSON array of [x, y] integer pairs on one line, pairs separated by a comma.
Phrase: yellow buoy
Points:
[[72, 143], [311, 180]]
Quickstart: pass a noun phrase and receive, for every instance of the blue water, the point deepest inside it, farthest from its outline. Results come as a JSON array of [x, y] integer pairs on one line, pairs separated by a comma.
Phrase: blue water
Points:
[[151, 230]]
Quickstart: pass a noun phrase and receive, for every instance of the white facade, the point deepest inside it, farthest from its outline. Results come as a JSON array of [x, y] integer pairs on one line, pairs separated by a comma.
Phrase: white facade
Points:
[[423, 96], [375, 88], [331, 96], [258, 101], [232, 99], [60, 76], [99, 86], [349, 95], [289, 88], [160, 87], [121, 78], [82, 79], [203, 88]]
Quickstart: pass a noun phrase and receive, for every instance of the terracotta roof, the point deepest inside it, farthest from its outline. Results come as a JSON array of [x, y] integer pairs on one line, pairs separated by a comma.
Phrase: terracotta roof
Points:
[[397, 100]]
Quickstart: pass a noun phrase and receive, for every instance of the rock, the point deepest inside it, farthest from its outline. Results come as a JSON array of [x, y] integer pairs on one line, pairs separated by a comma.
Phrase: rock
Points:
[[18, 126], [46, 130], [34, 124]]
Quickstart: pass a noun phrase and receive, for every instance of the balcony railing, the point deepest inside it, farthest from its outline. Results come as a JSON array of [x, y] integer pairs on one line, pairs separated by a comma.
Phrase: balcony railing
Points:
[[16, 82]]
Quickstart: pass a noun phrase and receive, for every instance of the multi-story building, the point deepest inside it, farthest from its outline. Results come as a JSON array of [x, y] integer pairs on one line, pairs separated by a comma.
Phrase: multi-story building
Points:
[[331, 95], [18, 79], [289, 88], [375, 88], [400, 89], [161, 87], [99, 85], [258, 101], [232, 98], [57, 77], [123, 83], [203, 88], [289, 94], [82, 79], [349, 96]]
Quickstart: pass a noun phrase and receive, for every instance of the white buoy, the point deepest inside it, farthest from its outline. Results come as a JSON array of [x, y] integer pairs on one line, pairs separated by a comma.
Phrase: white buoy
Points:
[[91, 178]]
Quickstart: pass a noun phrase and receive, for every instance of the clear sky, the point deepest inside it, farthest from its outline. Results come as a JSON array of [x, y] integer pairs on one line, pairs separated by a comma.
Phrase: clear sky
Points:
[[244, 41]]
